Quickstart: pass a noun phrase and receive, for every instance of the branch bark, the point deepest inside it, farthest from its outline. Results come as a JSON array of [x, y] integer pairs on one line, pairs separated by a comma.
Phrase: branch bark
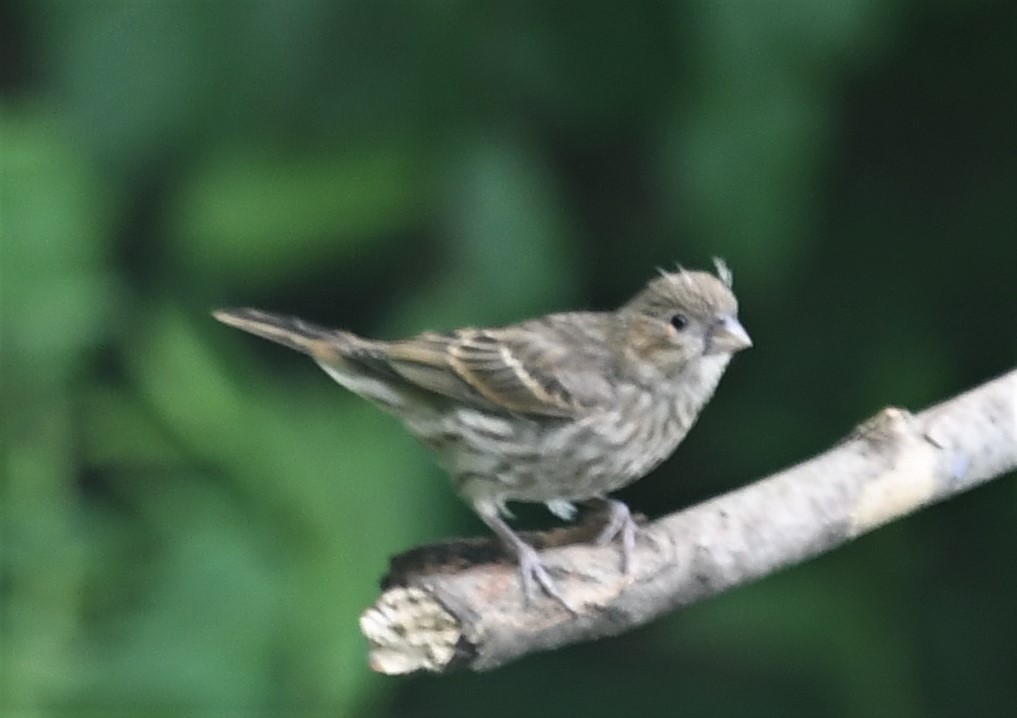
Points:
[[459, 604]]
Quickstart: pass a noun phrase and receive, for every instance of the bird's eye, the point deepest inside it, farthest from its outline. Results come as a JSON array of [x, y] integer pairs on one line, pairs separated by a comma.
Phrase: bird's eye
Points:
[[679, 321]]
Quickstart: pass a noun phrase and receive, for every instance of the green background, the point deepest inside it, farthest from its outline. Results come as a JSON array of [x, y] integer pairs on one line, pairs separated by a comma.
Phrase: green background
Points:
[[193, 519]]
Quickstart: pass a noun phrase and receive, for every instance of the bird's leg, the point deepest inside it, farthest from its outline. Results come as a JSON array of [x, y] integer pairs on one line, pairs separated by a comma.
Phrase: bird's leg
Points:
[[531, 568], [619, 523]]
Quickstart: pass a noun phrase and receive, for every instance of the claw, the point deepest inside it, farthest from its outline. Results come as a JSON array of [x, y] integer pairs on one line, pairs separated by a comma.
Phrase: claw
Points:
[[532, 570], [619, 523]]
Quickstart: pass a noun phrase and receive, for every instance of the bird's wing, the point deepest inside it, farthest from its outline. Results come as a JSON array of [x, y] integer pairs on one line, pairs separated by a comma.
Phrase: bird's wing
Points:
[[512, 369]]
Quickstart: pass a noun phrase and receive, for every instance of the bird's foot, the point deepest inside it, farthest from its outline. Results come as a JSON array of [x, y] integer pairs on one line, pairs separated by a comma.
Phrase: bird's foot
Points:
[[533, 573], [619, 524]]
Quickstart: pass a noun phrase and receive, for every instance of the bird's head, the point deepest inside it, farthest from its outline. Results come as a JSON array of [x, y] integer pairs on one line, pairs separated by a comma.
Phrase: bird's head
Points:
[[683, 315]]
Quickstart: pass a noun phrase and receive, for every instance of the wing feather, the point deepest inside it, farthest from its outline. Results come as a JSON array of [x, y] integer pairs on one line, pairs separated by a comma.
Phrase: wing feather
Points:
[[506, 369]]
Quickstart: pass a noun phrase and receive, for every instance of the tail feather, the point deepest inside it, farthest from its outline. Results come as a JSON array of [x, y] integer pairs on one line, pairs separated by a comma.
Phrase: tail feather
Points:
[[291, 332], [358, 364]]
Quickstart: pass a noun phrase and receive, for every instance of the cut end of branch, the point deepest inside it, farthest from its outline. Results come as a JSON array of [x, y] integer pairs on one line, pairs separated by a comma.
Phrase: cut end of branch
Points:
[[408, 630]]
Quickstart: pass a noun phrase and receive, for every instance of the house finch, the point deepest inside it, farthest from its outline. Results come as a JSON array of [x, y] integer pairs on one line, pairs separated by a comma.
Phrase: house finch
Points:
[[564, 408]]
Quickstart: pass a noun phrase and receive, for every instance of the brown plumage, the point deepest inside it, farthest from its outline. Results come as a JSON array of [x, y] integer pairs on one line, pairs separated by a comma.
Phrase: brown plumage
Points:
[[564, 408]]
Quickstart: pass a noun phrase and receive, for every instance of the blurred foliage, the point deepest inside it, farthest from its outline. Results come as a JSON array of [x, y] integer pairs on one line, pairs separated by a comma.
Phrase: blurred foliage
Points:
[[192, 520]]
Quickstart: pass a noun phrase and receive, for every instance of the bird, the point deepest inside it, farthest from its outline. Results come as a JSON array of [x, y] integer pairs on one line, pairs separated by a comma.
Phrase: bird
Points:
[[560, 410]]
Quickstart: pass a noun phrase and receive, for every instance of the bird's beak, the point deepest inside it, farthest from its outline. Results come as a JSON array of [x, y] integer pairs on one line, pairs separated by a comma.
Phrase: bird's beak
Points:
[[728, 335]]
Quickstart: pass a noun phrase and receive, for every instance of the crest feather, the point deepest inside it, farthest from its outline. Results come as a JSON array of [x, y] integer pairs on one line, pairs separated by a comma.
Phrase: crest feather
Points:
[[723, 272]]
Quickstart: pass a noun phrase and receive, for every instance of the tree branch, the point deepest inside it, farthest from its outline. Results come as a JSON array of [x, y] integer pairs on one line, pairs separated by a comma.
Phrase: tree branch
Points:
[[459, 604]]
